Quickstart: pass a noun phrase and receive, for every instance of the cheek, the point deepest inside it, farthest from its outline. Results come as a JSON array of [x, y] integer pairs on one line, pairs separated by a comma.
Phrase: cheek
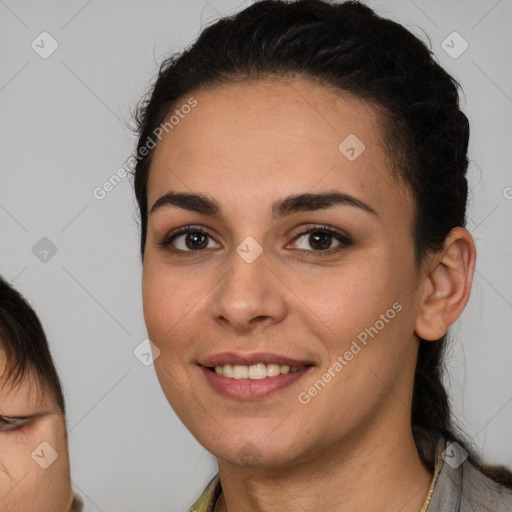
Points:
[[171, 318], [369, 326], [351, 298], [32, 469], [9, 470], [171, 299], [159, 297]]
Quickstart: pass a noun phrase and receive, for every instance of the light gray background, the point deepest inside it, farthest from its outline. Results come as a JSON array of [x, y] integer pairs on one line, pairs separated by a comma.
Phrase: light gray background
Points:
[[63, 132]]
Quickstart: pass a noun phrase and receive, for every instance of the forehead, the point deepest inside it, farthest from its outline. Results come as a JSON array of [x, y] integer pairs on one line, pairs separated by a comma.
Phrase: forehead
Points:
[[273, 137]]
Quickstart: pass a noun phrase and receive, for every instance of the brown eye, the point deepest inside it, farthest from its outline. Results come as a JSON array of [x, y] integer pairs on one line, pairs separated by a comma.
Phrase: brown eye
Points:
[[196, 240], [187, 239], [321, 240]]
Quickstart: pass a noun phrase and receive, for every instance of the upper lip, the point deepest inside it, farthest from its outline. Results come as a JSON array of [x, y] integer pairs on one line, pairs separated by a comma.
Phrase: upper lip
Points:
[[233, 358]]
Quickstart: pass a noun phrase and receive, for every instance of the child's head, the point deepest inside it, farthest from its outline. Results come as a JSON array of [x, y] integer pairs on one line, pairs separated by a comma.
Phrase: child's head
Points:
[[34, 462], [24, 349]]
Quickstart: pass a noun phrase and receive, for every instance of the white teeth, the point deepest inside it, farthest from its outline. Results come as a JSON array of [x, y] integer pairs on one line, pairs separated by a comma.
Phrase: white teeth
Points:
[[272, 370], [240, 372], [255, 371]]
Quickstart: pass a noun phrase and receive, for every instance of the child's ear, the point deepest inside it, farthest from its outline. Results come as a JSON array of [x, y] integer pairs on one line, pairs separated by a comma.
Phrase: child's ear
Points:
[[447, 286]]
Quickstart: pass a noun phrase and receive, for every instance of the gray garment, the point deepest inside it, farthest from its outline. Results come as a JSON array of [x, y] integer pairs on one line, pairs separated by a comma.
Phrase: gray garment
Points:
[[461, 487]]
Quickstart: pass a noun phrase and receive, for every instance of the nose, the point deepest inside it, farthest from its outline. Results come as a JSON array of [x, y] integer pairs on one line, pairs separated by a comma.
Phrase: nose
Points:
[[249, 295]]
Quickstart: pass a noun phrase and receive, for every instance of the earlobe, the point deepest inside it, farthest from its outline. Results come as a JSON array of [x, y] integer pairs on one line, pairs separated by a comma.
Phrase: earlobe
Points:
[[447, 286]]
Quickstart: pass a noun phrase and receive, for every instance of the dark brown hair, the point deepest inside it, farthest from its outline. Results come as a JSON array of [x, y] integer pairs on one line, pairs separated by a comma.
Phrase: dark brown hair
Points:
[[347, 47], [24, 342]]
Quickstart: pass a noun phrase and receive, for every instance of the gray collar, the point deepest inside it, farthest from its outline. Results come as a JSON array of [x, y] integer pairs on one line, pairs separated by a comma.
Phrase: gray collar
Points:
[[461, 487]]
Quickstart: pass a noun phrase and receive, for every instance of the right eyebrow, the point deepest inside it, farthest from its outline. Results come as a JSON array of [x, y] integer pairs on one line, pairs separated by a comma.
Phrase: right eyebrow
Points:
[[195, 202]]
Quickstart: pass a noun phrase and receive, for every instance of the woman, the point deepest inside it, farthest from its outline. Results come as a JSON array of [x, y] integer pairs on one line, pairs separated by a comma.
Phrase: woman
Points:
[[301, 183], [34, 462]]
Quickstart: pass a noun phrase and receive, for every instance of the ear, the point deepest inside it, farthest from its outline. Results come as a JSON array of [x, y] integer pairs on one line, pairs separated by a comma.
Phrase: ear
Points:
[[447, 286]]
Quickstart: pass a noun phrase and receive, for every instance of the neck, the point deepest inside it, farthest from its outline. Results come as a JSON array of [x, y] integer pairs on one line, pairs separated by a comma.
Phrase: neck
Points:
[[368, 472]]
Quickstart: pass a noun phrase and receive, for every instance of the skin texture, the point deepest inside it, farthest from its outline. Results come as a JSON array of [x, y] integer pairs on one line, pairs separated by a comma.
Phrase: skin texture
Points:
[[351, 447], [24, 485]]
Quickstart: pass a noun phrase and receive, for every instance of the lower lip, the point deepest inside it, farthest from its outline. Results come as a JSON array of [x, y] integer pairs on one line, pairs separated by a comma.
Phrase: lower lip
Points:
[[247, 389]]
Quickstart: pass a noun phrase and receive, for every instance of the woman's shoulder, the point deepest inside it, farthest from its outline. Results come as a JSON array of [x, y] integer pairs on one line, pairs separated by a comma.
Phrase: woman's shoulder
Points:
[[462, 487], [481, 493]]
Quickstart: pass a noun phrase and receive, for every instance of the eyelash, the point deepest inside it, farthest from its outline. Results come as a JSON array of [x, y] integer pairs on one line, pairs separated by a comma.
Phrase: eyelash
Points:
[[342, 238], [8, 423]]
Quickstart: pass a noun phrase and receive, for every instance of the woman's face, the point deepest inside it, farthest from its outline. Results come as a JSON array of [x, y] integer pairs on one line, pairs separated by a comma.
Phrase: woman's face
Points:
[[34, 462], [255, 289]]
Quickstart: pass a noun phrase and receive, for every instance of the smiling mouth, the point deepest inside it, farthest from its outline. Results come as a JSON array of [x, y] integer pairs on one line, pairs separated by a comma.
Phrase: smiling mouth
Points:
[[257, 371], [253, 381]]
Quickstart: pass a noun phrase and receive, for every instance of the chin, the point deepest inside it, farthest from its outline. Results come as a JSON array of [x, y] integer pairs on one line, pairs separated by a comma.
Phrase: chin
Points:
[[254, 451]]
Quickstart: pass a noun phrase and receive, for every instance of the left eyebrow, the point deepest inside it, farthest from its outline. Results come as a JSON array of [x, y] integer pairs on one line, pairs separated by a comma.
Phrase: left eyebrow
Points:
[[313, 202], [206, 205]]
